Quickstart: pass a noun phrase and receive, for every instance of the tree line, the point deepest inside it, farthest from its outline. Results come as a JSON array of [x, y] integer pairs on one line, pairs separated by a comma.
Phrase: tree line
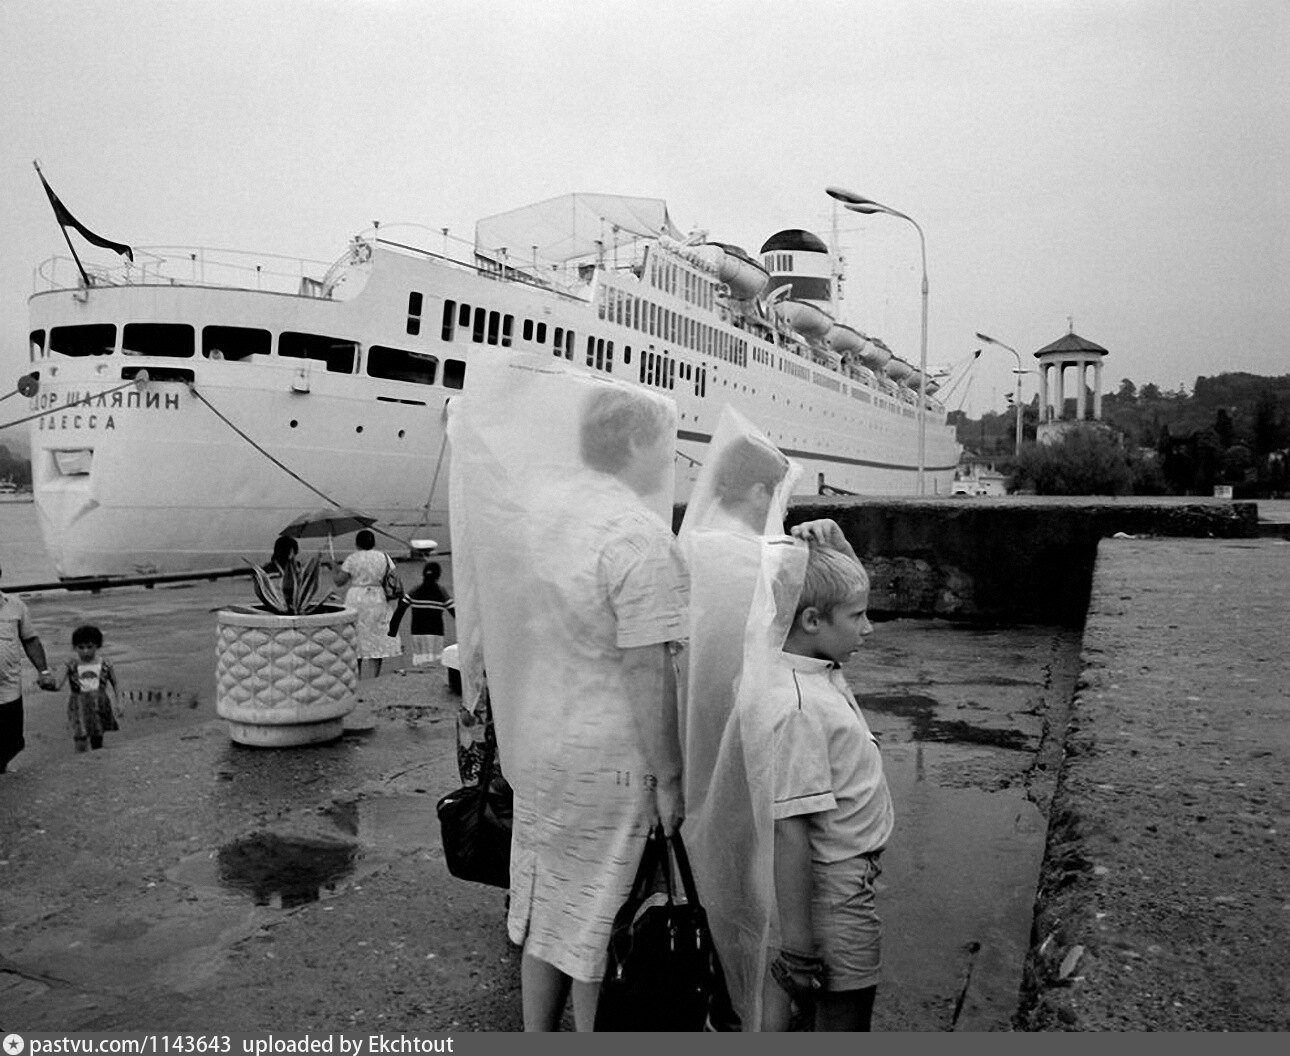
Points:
[[1232, 429], [15, 467]]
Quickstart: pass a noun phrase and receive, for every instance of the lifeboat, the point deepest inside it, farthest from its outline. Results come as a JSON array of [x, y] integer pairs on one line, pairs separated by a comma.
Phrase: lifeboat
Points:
[[844, 340], [745, 277], [898, 370], [875, 356], [931, 387], [807, 319]]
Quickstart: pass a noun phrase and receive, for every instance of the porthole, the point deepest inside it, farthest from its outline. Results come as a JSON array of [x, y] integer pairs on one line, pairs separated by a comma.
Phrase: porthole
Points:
[[402, 433], [358, 429], [294, 423]]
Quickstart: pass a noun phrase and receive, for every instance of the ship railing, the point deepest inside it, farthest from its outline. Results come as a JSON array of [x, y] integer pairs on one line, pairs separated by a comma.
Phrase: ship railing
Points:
[[563, 281], [191, 266]]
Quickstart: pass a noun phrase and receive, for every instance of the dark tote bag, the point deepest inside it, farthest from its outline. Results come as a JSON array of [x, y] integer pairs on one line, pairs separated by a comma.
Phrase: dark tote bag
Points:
[[475, 824], [663, 972]]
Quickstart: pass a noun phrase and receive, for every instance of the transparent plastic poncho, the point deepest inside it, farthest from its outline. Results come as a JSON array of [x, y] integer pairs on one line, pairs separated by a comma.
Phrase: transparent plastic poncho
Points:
[[745, 577], [517, 478]]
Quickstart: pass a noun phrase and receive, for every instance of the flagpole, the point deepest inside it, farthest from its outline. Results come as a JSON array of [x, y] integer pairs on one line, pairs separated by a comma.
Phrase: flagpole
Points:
[[85, 278]]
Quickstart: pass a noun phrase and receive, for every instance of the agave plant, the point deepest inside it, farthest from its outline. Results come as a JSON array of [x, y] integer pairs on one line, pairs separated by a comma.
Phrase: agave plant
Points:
[[293, 594]]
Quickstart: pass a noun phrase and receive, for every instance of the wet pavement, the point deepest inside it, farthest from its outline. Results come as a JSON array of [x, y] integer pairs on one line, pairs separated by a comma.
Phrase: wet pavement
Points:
[[178, 881]]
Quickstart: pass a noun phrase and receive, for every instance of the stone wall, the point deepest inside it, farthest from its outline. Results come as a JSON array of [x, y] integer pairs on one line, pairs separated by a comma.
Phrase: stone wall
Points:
[[1019, 559]]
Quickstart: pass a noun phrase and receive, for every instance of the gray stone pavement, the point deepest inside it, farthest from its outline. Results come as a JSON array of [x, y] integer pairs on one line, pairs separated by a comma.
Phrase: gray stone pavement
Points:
[[1165, 897], [176, 881]]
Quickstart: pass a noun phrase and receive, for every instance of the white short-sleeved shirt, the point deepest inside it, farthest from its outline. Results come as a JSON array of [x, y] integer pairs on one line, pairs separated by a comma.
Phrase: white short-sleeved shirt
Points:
[[827, 763], [15, 627]]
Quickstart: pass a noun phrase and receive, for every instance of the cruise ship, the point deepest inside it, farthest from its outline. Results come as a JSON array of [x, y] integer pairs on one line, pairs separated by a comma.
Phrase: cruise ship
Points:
[[190, 403]]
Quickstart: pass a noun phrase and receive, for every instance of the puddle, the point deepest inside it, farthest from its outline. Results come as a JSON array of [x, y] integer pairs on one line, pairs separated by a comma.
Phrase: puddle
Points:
[[925, 726], [286, 870], [957, 893]]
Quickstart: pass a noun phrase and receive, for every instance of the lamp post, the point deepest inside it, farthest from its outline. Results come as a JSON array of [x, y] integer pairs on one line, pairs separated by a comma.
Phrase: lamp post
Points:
[[858, 204], [991, 341]]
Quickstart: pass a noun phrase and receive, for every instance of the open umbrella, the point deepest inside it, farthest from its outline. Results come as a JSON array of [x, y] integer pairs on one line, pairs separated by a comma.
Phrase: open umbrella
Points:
[[329, 522]]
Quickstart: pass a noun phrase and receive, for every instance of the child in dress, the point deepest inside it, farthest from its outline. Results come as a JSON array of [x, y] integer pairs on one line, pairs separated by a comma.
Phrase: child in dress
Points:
[[90, 711], [428, 602]]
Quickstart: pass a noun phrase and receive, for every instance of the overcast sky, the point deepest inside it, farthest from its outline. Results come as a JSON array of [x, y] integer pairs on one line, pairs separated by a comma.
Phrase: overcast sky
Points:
[[1119, 163]]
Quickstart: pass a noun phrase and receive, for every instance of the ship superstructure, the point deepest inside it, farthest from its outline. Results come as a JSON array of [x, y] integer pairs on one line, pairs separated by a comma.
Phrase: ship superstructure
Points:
[[190, 405]]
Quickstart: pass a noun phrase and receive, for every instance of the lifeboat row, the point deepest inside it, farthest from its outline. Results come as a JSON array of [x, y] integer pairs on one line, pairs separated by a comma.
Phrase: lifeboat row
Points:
[[872, 353], [748, 279]]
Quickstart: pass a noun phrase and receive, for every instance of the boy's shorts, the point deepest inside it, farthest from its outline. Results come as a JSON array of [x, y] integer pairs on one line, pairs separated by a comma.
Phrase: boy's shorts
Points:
[[845, 920]]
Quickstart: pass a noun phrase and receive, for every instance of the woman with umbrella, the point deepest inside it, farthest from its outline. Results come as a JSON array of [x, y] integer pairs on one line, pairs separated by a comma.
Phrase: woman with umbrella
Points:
[[365, 571]]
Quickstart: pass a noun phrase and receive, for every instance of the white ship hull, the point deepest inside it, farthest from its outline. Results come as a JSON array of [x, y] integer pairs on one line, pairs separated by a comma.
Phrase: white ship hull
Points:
[[203, 471]]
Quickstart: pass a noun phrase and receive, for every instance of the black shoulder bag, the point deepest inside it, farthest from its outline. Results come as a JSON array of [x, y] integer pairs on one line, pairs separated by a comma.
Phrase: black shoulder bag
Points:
[[475, 824], [663, 972]]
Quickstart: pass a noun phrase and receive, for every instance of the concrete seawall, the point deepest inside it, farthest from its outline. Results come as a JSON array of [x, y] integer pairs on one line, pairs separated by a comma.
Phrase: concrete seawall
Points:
[[1013, 560]]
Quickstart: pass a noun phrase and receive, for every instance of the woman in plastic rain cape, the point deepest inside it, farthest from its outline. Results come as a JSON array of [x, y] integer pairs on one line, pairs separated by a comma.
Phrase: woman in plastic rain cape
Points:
[[743, 571], [570, 587]]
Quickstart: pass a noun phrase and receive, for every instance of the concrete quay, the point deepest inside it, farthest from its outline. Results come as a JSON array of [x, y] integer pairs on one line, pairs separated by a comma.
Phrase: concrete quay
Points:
[[1164, 898], [179, 882]]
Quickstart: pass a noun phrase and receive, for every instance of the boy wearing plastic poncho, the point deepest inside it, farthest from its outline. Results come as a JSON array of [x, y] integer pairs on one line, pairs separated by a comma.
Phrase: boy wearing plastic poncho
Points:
[[740, 560], [570, 588]]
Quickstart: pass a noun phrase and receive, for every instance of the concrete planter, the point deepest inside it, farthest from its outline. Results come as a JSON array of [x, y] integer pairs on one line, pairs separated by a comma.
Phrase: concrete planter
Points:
[[284, 681]]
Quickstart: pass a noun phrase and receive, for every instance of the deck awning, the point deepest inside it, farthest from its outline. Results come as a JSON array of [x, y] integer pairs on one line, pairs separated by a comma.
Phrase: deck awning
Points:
[[572, 226]]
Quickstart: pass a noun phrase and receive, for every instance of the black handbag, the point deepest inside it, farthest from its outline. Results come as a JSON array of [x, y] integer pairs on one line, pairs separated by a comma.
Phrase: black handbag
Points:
[[663, 972], [475, 825]]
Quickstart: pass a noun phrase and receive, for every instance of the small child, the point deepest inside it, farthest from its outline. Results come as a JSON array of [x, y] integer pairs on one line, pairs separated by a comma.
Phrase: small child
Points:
[[833, 812], [428, 602], [90, 713]]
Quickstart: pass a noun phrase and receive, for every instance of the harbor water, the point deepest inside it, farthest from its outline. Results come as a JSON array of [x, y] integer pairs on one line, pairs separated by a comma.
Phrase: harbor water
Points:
[[965, 716]]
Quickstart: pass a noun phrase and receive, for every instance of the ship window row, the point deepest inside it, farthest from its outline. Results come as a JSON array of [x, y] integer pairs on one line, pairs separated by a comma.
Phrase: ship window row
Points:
[[625, 309], [600, 353], [670, 277], [658, 370], [561, 343], [796, 369], [779, 262], [824, 381], [178, 341], [483, 325]]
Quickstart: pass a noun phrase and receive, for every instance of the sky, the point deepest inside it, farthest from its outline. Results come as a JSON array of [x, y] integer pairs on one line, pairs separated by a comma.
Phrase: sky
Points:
[[1119, 167]]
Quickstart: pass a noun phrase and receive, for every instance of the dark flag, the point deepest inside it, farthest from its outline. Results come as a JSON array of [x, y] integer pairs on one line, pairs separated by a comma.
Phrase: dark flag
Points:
[[66, 220]]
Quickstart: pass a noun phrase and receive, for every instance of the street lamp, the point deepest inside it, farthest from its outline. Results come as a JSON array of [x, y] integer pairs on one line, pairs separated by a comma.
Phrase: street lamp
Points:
[[1018, 372], [858, 204]]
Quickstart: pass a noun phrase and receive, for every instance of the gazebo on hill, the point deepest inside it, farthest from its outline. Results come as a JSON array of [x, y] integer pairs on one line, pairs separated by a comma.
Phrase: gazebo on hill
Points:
[[1075, 352]]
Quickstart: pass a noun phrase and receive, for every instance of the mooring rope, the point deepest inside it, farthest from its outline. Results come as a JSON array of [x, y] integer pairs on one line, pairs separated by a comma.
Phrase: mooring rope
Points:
[[425, 516], [280, 464]]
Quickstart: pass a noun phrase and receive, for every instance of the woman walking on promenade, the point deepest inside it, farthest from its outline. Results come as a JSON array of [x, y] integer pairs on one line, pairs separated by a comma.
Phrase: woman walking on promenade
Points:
[[364, 571]]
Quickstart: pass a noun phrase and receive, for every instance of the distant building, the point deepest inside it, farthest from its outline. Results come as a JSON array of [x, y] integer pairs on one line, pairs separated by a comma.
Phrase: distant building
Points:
[[976, 475], [1070, 352]]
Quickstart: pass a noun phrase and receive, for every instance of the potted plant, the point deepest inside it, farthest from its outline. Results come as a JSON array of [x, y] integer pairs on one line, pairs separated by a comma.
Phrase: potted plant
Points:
[[286, 670]]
